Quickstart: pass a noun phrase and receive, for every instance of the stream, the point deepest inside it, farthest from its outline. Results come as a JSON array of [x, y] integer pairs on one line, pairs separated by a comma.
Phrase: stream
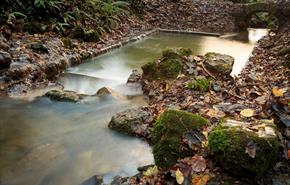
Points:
[[44, 142]]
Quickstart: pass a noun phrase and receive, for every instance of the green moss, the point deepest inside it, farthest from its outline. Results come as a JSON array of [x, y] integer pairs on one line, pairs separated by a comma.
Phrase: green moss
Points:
[[185, 52], [167, 135], [167, 69], [176, 53], [170, 68], [201, 84], [170, 54], [150, 71], [228, 144]]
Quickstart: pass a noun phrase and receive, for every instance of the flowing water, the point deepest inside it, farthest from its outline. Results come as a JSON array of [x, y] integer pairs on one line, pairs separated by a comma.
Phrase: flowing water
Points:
[[44, 142]]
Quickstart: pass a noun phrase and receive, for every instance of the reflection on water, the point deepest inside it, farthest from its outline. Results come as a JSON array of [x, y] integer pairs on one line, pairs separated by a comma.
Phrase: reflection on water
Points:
[[256, 34], [54, 143]]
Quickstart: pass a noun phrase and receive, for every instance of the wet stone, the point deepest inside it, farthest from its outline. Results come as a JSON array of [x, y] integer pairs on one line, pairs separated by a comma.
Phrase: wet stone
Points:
[[219, 63]]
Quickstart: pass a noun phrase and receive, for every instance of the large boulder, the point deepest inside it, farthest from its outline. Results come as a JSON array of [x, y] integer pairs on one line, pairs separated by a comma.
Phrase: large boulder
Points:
[[65, 96], [168, 67], [245, 149], [168, 133], [219, 63], [5, 60], [131, 122]]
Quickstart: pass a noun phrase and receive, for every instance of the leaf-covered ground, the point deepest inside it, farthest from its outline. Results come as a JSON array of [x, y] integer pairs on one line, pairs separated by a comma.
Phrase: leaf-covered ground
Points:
[[260, 92]]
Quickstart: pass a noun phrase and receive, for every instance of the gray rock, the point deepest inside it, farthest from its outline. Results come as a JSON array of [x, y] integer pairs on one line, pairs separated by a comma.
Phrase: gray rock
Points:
[[65, 96], [219, 63], [19, 70], [134, 77], [5, 60], [130, 122]]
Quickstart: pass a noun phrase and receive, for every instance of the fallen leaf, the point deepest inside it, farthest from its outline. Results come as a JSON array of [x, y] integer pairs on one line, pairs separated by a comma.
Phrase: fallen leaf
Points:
[[200, 180], [198, 163], [277, 92], [167, 87], [179, 176], [247, 112], [288, 154], [151, 171]]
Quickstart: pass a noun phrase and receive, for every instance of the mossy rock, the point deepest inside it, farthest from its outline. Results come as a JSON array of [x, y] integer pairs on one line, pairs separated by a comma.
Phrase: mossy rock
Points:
[[219, 63], [170, 66], [241, 150], [167, 136], [176, 53]]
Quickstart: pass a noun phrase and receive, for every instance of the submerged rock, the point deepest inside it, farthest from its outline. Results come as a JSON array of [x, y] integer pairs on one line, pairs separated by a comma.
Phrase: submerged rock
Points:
[[168, 67], [219, 63], [245, 149], [105, 91], [130, 122], [65, 96], [167, 135]]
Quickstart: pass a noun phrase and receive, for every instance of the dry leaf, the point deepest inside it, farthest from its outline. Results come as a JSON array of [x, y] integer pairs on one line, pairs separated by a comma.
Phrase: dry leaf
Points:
[[277, 92], [151, 171], [179, 176], [167, 87], [200, 180], [247, 112], [198, 163]]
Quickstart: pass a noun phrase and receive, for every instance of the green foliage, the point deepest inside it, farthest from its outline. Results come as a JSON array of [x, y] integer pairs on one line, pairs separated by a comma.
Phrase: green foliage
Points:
[[47, 4], [264, 19], [201, 84], [63, 15]]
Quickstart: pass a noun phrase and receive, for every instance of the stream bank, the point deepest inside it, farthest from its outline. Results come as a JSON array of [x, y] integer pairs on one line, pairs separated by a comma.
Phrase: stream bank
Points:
[[32, 61]]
